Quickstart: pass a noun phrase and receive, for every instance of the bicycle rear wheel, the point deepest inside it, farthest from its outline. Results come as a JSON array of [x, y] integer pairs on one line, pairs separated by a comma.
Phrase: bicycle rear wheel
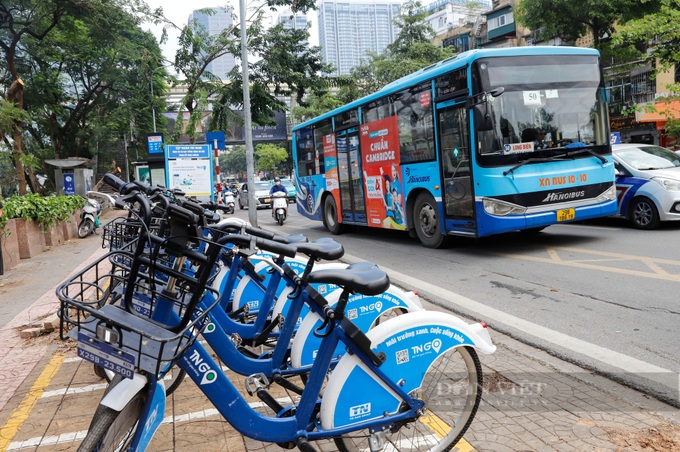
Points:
[[112, 430], [451, 390]]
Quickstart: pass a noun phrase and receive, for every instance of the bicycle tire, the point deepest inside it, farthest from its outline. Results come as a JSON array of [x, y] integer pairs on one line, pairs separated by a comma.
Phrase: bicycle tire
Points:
[[438, 376], [112, 430]]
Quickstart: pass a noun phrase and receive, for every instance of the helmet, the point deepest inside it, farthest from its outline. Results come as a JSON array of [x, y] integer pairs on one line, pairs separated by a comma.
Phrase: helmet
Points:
[[276, 179]]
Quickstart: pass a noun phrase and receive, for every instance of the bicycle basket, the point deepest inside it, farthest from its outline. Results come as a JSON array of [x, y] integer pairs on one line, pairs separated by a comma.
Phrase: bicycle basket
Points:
[[126, 341], [121, 233]]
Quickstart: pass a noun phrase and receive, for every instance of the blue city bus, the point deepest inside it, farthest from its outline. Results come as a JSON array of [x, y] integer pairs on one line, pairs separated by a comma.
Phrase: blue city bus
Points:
[[486, 142]]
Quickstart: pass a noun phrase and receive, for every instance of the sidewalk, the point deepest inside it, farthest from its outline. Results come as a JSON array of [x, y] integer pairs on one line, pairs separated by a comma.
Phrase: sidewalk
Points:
[[532, 402]]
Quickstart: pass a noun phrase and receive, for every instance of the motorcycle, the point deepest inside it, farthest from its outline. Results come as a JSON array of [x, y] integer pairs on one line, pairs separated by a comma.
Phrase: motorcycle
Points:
[[89, 218], [279, 207], [229, 201]]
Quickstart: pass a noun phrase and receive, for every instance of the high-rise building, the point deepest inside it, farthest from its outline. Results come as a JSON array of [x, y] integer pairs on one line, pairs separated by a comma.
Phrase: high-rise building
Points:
[[349, 29], [297, 21], [216, 24]]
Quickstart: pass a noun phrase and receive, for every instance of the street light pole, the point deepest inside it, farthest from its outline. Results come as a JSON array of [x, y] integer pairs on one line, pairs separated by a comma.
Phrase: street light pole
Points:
[[247, 121], [153, 99]]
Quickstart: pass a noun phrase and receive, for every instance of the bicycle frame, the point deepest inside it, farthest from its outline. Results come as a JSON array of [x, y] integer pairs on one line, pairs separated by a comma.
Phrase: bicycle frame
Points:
[[210, 379]]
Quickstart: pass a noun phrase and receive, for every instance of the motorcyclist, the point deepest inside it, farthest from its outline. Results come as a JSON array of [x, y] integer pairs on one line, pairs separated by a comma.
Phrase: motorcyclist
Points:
[[278, 187]]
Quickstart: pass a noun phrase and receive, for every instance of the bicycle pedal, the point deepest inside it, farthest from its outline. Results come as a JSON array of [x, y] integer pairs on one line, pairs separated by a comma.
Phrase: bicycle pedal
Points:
[[256, 382], [304, 445]]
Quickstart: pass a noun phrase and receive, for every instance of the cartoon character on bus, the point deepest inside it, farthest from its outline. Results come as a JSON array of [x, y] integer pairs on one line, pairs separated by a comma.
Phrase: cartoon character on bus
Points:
[[392, 200]]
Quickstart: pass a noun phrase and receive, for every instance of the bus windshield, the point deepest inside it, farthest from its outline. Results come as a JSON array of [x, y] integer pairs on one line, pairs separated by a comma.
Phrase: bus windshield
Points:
[[547, 104]]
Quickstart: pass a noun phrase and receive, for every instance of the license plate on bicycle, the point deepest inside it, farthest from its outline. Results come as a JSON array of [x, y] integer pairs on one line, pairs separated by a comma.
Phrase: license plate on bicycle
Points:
[[566, 214], [105, 356]]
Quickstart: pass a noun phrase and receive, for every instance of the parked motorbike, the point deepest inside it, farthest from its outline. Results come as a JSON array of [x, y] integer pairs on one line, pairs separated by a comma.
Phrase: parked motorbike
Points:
[[229, 201], [89, 218], [279, 207]]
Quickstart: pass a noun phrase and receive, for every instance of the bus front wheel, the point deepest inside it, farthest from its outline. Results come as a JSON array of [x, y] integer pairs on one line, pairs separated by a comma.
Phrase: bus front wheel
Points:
[[426, 222], [330, 216]]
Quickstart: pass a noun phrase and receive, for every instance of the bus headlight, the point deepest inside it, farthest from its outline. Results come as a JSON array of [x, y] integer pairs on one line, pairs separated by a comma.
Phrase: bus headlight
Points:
[[502, 208], [609, 195]]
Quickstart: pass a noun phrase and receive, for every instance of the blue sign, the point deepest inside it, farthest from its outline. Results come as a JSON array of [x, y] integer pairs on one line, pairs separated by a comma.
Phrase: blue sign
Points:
[[69, 184], [210, 138], [615, 138], [154, 143], [188, 151]]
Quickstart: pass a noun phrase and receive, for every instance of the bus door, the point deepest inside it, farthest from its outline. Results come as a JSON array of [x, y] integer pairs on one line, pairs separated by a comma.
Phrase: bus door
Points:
[[454, 145], [353, 206]]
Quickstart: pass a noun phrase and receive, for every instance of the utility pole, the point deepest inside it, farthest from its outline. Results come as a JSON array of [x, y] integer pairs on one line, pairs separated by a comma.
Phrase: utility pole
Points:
[[247, 125]]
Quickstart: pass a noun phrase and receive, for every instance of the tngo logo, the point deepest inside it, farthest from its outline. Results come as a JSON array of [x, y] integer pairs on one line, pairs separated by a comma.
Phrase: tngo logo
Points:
[[377, 306], [209, 375], [360, 410], [426, 347]]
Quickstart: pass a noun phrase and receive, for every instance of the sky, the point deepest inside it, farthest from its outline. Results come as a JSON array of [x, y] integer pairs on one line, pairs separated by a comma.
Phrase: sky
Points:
[[178, 12]]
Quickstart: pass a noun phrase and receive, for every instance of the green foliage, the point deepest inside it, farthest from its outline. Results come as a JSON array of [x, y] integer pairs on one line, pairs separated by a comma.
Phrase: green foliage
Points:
[[233, 161], [573, 19], [46, 210], [85, 65], [662, 28], [270, 157], [317, 105], [9, 115]]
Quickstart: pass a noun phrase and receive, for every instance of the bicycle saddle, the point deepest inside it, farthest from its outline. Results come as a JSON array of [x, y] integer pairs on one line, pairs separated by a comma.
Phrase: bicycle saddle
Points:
[[324, 248], [290, 239], [363, 277]]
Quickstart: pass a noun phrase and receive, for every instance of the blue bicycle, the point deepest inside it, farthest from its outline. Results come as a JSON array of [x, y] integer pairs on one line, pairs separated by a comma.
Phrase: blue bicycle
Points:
[[411, 383]]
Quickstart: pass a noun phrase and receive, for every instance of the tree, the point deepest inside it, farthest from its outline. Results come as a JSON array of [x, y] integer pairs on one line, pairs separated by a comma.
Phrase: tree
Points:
[[657, 32], [18, 20], [270, 157], [573, 19], [234, 161], [316, 105], [79, 61]]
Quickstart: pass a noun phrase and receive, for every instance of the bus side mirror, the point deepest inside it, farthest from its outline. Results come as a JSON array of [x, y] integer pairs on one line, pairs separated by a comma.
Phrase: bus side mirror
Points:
[[483, 121], [481, 110]]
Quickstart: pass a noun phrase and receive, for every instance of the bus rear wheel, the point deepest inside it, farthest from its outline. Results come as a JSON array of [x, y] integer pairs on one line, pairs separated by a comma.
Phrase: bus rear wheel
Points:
[[330, 216], [426, 222]]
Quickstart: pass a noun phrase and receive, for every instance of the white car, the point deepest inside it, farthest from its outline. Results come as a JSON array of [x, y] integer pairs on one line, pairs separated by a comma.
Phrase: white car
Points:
[[262, 197], [647, 184]]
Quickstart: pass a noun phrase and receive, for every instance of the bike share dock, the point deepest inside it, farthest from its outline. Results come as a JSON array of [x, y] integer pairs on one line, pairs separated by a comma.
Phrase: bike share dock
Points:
[[531, 401]]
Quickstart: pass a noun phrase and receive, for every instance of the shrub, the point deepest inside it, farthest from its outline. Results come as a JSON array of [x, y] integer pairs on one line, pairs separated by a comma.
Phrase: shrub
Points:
[[46, 210]]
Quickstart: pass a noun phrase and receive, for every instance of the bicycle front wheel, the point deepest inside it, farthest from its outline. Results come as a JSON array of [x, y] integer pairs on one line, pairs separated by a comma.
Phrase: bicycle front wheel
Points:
[[451, 390], [113, 430]]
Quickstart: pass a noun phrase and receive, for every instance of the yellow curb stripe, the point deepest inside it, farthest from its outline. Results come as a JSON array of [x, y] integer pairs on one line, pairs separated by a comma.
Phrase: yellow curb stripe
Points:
[[19, 416], [441, 429]]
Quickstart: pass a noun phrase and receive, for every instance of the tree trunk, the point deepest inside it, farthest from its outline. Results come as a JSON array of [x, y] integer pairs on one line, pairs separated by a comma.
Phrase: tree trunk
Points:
[[15, 94]]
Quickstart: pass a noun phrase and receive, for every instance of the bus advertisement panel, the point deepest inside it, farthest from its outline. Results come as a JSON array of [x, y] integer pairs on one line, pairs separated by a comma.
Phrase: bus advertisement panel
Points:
[[331, 163], [380, 155]]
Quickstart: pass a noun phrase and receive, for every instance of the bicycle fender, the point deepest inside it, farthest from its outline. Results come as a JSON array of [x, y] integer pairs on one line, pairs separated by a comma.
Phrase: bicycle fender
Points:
[[411, 343], [362, 310], [152, 417], [123, 392]]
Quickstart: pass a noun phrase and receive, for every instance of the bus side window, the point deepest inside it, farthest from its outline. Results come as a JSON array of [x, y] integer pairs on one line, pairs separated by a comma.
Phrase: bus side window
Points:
[[415, 118]]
